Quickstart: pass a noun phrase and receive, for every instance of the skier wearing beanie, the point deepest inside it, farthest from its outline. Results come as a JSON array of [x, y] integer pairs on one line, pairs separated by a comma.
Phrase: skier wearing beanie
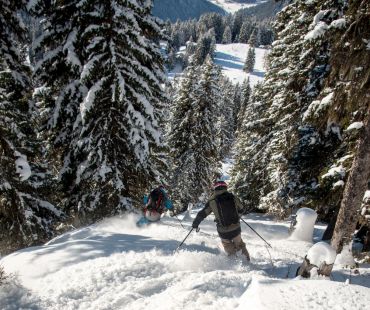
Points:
[[226, 207]]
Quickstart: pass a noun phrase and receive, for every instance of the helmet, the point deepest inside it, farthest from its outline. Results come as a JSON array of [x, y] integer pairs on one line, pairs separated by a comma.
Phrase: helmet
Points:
[[219, 185]]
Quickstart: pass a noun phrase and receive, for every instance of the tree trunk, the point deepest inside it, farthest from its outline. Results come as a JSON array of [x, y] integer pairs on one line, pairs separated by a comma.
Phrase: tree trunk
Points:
[[353, 192]]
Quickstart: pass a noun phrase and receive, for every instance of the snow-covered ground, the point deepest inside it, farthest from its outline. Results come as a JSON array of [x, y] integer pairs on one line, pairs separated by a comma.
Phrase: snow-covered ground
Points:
[[232, 6], [231, 57], [116, 265]]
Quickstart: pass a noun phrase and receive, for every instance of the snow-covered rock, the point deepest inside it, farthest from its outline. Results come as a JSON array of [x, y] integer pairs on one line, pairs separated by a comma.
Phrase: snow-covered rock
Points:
[[321, 253]]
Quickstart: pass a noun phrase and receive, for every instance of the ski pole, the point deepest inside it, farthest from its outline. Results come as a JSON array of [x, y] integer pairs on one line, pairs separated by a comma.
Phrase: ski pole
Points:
[[185, 238], [179, 221], [256, 233]]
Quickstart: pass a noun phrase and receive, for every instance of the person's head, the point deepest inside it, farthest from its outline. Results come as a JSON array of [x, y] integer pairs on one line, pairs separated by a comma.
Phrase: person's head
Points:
[[219, 185]]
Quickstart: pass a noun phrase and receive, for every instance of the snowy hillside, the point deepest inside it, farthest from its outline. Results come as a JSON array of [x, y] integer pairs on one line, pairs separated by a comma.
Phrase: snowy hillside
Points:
[[233, 6], [231, 57], [115, 265]]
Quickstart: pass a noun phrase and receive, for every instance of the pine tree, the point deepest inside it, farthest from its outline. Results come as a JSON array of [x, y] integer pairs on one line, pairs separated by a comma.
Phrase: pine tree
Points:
[[245, 31], [245, 96], [226, 123], [193, 134], [205, 47], [107, 79], [226, 38], [27, 218], [253, 40], [250, 60], [274, 132]]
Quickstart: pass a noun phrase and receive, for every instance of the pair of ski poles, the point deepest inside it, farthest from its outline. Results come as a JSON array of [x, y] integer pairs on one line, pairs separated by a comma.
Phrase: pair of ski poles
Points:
[[199, 229]]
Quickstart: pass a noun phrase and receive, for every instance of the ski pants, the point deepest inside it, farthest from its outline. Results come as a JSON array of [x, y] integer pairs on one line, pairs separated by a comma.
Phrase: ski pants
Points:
[[234, 245]]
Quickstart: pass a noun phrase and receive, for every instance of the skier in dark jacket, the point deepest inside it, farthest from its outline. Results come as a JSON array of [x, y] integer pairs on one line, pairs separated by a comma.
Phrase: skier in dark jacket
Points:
[[227, 209]]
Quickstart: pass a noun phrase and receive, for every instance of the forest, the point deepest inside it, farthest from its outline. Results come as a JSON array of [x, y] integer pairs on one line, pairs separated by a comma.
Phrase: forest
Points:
[[89, 121]]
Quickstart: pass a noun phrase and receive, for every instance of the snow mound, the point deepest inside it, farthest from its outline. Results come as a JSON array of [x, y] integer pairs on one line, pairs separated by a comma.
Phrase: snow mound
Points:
[[345, 258], [303, 230], [265, 294], [321, 253]]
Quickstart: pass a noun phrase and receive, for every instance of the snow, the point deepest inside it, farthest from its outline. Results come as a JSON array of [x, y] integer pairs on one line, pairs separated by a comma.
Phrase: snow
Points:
[[231, 6], [355, 125], [321, 253], [317, 32], [367, 195], [304, 228], [338, 23], [335, 171], [318, 106], [231, 57], [345, 258], [22, 166], [303, 294], [339, 183], [115, 265]]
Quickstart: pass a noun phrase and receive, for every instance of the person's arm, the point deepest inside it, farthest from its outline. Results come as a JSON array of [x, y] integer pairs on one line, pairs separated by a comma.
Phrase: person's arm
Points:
[[202, 214], [239, 206]]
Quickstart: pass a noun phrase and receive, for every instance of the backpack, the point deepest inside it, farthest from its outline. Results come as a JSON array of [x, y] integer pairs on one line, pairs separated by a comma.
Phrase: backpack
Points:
[[157, 198], [226, 209]]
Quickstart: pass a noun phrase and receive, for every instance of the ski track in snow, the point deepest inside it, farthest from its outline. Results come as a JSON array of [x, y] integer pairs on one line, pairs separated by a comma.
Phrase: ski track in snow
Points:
[[115, 265]]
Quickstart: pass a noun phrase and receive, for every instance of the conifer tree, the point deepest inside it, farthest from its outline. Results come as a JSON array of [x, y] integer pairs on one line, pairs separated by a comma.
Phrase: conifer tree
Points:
[[253, 40], [106, 76], [193, 134], [245, 31], [250, 60], [226, 38], [273, 131], [205, 47], [226, 124], [26, 217], [245, 95]]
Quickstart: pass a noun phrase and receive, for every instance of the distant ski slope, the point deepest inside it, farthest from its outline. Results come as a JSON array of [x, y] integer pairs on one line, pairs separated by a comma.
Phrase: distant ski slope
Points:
[[231, 58], [233, 6]]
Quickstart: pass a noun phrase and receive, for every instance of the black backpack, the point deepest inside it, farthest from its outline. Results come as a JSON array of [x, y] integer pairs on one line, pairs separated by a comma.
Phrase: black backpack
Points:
[[227, 209], [156, 200]]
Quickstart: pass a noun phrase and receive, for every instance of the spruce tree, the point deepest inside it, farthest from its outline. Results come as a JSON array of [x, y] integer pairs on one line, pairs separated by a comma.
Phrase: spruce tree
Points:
[[253, 40], [26, 217], [226, 123], [245, 96], [193, 134], [245, 31], [226, 38], [106, 77], [250, 60], [274, 131]]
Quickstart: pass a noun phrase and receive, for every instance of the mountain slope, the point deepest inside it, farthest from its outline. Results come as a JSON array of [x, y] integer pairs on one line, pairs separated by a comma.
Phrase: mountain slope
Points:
[[183, 9], [115, 265]]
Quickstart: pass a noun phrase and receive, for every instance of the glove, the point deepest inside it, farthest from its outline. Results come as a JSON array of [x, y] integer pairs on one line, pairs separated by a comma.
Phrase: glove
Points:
[[196, 223]]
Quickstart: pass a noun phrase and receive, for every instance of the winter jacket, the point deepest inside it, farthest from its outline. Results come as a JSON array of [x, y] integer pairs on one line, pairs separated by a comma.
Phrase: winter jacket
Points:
[[227, 209], [158, 201]]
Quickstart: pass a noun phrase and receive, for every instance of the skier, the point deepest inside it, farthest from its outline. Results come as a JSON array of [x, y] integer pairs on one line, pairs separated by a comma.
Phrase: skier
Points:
[[227, 209], [154, 205]]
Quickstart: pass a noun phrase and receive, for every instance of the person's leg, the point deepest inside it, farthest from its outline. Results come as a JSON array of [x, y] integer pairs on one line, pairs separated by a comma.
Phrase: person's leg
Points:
[[240, 245], [229, 246]]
